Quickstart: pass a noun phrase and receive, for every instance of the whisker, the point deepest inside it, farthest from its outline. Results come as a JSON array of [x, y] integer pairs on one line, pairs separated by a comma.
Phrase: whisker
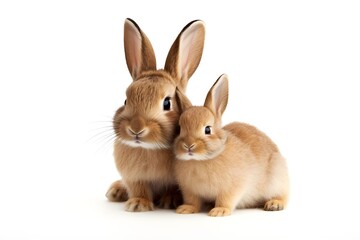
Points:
[[111, 139], [107, 144], [101, 130], [104, 141], [103, 127], [100, 121], [101, 134]]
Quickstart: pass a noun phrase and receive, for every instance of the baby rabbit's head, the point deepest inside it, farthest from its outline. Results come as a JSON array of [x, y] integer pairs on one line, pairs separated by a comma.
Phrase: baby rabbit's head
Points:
[[149, 117], [201, 135]]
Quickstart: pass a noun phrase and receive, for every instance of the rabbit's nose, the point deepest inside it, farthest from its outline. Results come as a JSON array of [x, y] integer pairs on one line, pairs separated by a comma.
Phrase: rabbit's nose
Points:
[[136, 133], [187, 147], [137, 125]]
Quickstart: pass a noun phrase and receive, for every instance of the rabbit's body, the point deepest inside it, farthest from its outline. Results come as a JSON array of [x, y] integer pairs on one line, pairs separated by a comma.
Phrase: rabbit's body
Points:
[[144, 165], [146, 125], [244, 169], [233, 166]]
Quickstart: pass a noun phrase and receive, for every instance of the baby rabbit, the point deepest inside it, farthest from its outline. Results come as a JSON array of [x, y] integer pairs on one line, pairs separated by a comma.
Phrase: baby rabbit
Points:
[[234, 166], [146, 125]]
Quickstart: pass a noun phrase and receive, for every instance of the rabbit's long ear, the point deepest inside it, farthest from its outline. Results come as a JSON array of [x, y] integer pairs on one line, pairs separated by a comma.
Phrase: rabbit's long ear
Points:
[[217, 97], [182, 101], [185, 54], [139, 52]]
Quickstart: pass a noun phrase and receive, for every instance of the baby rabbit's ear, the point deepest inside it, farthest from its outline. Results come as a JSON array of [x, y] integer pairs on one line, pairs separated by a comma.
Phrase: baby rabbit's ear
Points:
[[185, 54], [217, 97], [139, 52], [182, 101]]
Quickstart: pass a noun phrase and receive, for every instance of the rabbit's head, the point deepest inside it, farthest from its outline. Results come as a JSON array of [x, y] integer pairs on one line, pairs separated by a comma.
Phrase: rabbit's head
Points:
[[149, 117], [201, 134]]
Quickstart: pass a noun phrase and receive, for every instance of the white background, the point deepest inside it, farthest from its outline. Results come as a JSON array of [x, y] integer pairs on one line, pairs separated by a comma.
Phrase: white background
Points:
[[294, 73]]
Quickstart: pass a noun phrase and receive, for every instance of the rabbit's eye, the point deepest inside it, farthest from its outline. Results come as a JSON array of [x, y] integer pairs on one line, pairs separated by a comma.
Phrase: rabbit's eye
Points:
[[167, 104], [207, 130], [125, 102]]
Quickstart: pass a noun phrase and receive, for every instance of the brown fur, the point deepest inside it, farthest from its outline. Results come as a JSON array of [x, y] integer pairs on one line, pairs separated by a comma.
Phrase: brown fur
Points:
[[243, 167], [144, 130]]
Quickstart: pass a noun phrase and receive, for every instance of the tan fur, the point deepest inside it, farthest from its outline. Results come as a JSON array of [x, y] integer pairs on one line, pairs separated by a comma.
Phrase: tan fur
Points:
[[117, 192], [247, 169], [144, 130]]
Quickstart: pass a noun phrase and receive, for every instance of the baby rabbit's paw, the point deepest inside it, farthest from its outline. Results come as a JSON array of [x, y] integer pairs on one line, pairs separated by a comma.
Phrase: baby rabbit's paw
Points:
[[117, 192], [219, 212], [139, 205], [274, 205], [186, 209]]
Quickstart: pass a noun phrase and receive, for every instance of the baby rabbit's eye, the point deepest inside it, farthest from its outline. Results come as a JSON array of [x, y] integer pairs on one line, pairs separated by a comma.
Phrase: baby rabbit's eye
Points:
[[125, 102], [208, 130], [167, 104]]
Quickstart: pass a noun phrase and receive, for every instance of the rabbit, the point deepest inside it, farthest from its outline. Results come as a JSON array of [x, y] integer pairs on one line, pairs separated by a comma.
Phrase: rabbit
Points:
[[146, 125], [235, 166]]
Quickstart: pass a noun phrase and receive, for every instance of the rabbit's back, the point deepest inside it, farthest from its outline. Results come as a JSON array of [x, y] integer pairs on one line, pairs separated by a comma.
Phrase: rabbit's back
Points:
[[258, 142]]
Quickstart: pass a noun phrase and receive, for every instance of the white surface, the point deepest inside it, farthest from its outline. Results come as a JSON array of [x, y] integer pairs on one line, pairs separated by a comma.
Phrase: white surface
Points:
[[294, 73]]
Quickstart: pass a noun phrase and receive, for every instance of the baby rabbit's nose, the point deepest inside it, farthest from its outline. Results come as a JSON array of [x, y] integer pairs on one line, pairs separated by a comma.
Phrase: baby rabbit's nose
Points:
[[189, 148]]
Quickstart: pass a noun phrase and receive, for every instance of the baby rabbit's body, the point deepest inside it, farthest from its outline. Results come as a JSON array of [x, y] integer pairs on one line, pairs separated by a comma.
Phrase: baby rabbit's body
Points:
[[234, 166], [243, 174]]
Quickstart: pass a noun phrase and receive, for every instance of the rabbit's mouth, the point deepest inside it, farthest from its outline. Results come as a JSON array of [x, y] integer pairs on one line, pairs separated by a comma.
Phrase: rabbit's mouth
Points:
[[143, 138], [137, 139], [199, 156], [138, 143], [191, 156]]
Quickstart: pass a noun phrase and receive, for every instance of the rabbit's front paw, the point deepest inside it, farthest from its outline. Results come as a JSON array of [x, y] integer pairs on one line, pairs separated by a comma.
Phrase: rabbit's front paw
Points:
[[139, 205], [186, 209], [219, 212], [274, 205], [117, 192]]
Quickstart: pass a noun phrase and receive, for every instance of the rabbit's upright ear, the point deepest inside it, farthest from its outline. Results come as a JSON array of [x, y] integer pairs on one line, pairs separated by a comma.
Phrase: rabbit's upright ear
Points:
[[217, 97], [185, 54], [182, 101], [139, 52]]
